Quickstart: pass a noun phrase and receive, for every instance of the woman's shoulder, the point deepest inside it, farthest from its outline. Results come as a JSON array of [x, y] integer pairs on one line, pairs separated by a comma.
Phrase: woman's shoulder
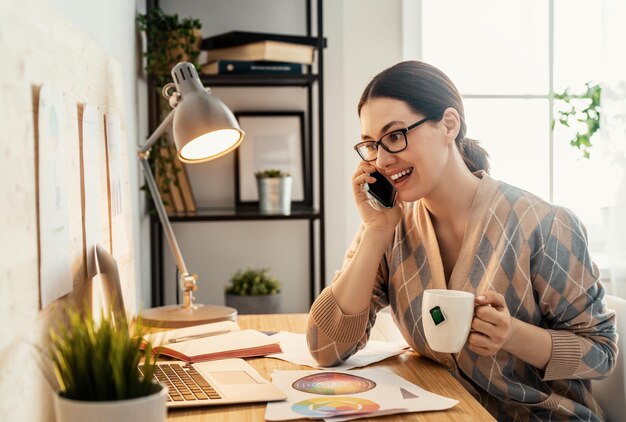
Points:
[[512, 199]]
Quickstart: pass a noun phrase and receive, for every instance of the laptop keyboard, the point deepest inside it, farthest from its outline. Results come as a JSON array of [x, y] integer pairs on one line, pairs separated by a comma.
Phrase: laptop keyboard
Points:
[[184, 383]]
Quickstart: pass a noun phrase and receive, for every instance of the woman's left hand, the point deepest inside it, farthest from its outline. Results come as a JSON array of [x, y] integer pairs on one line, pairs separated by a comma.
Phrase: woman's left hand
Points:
[[491, 326]]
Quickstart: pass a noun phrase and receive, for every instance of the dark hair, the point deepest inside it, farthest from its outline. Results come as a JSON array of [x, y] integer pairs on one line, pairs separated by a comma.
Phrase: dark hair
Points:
[[429, 91]]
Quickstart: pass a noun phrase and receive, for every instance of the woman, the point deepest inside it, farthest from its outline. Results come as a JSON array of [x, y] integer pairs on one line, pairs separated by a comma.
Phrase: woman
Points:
[[540, 330]]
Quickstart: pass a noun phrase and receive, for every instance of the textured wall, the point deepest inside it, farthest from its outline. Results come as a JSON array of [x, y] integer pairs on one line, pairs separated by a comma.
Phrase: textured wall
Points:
[[38, 46]]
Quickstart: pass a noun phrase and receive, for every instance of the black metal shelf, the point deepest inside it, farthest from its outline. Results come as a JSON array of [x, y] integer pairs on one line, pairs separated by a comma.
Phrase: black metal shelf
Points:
[[314, 87], [238, 214], [259, 80]]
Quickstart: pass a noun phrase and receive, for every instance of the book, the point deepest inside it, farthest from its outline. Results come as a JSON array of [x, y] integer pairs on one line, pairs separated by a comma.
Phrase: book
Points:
[[220, 340], [183, 181], [235, 38], [159, 176], [172, 185], [276, 51], [237, 67]]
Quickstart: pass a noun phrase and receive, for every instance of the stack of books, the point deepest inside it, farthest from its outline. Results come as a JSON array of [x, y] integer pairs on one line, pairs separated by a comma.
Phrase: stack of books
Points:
[[240, 52], [173, 182]]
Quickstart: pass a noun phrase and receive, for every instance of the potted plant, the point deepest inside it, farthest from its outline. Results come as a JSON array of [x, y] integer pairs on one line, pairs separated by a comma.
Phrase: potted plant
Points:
[[274, 188], [170, 40], [95, 370], [253, 291]]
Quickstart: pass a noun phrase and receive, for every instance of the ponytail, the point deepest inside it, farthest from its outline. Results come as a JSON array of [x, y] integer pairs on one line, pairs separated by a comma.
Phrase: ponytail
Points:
[[475, 156], [429, 91]]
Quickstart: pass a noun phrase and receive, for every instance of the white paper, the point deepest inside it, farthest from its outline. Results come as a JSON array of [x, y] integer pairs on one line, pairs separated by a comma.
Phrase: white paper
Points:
[[93, 151], [118, 207], [416, 399], [321, 394], [55, 270], [164, 337], [295, 350]]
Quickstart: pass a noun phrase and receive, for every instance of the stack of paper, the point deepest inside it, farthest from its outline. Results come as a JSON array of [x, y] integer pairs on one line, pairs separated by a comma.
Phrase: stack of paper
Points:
[[295, 350], [220, 340], [342, 395]]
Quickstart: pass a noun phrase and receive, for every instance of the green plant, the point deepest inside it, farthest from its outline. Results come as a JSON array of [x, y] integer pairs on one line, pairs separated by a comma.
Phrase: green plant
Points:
[[170, 40], [253, 282], [97, 361], [582, 113], [271, 173]]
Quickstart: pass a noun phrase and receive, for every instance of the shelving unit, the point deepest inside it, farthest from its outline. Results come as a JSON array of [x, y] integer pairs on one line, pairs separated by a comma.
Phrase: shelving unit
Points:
[[314, 83]]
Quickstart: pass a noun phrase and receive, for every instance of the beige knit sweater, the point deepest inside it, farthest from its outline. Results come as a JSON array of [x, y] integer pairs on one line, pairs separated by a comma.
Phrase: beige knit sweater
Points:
[[534, 254]]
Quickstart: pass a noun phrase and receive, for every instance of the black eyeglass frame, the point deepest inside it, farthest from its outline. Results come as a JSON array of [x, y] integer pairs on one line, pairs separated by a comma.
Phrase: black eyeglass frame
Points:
[[404, 131]]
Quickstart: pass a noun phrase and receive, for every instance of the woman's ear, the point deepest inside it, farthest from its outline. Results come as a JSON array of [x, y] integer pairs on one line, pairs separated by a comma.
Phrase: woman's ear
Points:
[[452, 122]]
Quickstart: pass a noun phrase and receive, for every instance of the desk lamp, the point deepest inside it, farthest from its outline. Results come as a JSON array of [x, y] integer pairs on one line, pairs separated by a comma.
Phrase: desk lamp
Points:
[[203, 129]]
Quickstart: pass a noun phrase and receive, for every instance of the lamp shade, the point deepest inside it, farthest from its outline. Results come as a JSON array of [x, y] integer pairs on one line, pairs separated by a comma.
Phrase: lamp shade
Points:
[[203, 127]]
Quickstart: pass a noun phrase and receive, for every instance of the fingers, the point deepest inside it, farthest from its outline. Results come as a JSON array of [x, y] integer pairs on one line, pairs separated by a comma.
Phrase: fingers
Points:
[[491, 326], [489, 314], [362, 176], [496, 333], [491, 298], [480, 344]]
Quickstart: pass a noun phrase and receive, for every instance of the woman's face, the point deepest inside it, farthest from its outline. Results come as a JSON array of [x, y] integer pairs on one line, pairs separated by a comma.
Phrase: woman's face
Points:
[[417, 170]]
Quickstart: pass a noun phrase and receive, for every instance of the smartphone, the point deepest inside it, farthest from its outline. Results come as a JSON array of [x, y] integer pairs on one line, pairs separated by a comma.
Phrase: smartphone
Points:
[[382, 190]]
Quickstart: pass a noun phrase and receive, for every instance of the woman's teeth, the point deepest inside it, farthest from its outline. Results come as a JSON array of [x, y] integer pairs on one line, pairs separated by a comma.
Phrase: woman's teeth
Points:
[[402, 173]]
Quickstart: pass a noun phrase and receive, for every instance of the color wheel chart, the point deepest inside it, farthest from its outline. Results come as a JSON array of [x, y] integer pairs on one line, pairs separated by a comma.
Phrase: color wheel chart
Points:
[[333, 384], [323, 407]]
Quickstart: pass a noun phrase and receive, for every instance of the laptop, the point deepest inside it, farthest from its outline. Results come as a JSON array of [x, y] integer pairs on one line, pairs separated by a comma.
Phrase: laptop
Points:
[[223, 381]]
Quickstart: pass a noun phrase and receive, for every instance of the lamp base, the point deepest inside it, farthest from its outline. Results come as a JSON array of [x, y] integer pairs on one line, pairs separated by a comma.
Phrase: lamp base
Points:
[[176, 316]]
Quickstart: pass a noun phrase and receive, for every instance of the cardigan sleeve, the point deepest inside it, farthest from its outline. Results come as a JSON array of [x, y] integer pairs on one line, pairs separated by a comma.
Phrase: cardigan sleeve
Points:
[[333, 336], [571, 299]]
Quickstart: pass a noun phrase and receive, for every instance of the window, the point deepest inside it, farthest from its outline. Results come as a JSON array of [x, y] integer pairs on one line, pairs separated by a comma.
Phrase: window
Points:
[[506, 57]]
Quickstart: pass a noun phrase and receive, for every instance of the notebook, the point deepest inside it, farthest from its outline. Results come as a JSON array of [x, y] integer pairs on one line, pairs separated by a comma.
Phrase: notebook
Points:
[[224, 381], [220, 340]]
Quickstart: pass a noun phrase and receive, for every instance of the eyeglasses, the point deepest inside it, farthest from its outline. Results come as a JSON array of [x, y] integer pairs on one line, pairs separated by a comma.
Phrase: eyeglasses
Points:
[[391, 142]]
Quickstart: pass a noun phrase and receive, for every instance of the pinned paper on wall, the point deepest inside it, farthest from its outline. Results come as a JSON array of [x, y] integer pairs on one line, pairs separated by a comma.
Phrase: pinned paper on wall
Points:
[[55, 272], [117, 187], [93, 151]]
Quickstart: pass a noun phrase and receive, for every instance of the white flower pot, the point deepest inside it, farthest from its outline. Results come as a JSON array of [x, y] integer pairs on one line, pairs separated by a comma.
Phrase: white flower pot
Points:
[[149, 408], [246, 305]]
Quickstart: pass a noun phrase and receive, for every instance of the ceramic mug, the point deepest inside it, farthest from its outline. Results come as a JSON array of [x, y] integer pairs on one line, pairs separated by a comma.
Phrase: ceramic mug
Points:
[[447, 318]]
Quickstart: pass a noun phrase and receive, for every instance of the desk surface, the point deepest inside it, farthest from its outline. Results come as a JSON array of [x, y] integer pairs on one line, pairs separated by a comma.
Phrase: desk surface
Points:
[[422, 372]]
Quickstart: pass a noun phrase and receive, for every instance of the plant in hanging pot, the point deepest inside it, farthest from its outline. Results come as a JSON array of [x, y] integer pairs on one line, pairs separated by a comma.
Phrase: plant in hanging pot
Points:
[[170, 40], [95, 367], [253, 291], [274, 187]]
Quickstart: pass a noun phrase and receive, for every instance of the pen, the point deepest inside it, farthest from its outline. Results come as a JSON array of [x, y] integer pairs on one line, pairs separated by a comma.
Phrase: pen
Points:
[[195, 336]]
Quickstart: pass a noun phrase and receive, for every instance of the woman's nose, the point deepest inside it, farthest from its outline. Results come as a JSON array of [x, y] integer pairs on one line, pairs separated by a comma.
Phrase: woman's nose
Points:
[[384, 158]]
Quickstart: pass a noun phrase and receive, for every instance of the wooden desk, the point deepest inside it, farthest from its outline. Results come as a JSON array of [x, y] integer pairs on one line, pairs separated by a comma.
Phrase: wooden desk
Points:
[[422, 372]]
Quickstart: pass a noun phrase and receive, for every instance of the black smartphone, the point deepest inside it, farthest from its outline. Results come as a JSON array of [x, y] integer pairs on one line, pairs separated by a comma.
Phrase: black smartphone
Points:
[[382, 190]]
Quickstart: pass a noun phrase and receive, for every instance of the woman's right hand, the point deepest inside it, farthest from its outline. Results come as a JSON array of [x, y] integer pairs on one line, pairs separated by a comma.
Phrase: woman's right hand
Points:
[[382, 219]]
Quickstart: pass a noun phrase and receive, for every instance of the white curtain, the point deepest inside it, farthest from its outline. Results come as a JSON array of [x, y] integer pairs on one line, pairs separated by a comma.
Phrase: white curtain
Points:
[[613, 128]]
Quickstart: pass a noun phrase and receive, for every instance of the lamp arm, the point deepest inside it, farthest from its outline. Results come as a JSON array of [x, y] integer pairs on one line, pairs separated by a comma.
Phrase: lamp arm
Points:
[[158, 132], [186, 281]]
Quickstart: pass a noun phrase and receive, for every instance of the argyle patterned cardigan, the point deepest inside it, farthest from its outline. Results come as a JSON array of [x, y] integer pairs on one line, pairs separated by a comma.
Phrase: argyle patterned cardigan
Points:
[[533, 253]]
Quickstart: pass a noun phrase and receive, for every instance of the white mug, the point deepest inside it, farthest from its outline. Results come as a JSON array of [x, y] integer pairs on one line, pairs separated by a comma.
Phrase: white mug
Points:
[[447, 318]]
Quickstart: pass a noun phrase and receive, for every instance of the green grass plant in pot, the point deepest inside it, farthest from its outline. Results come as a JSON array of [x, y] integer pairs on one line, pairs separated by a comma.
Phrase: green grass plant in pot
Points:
[[94, 367], [274, 188], [253, 291]]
